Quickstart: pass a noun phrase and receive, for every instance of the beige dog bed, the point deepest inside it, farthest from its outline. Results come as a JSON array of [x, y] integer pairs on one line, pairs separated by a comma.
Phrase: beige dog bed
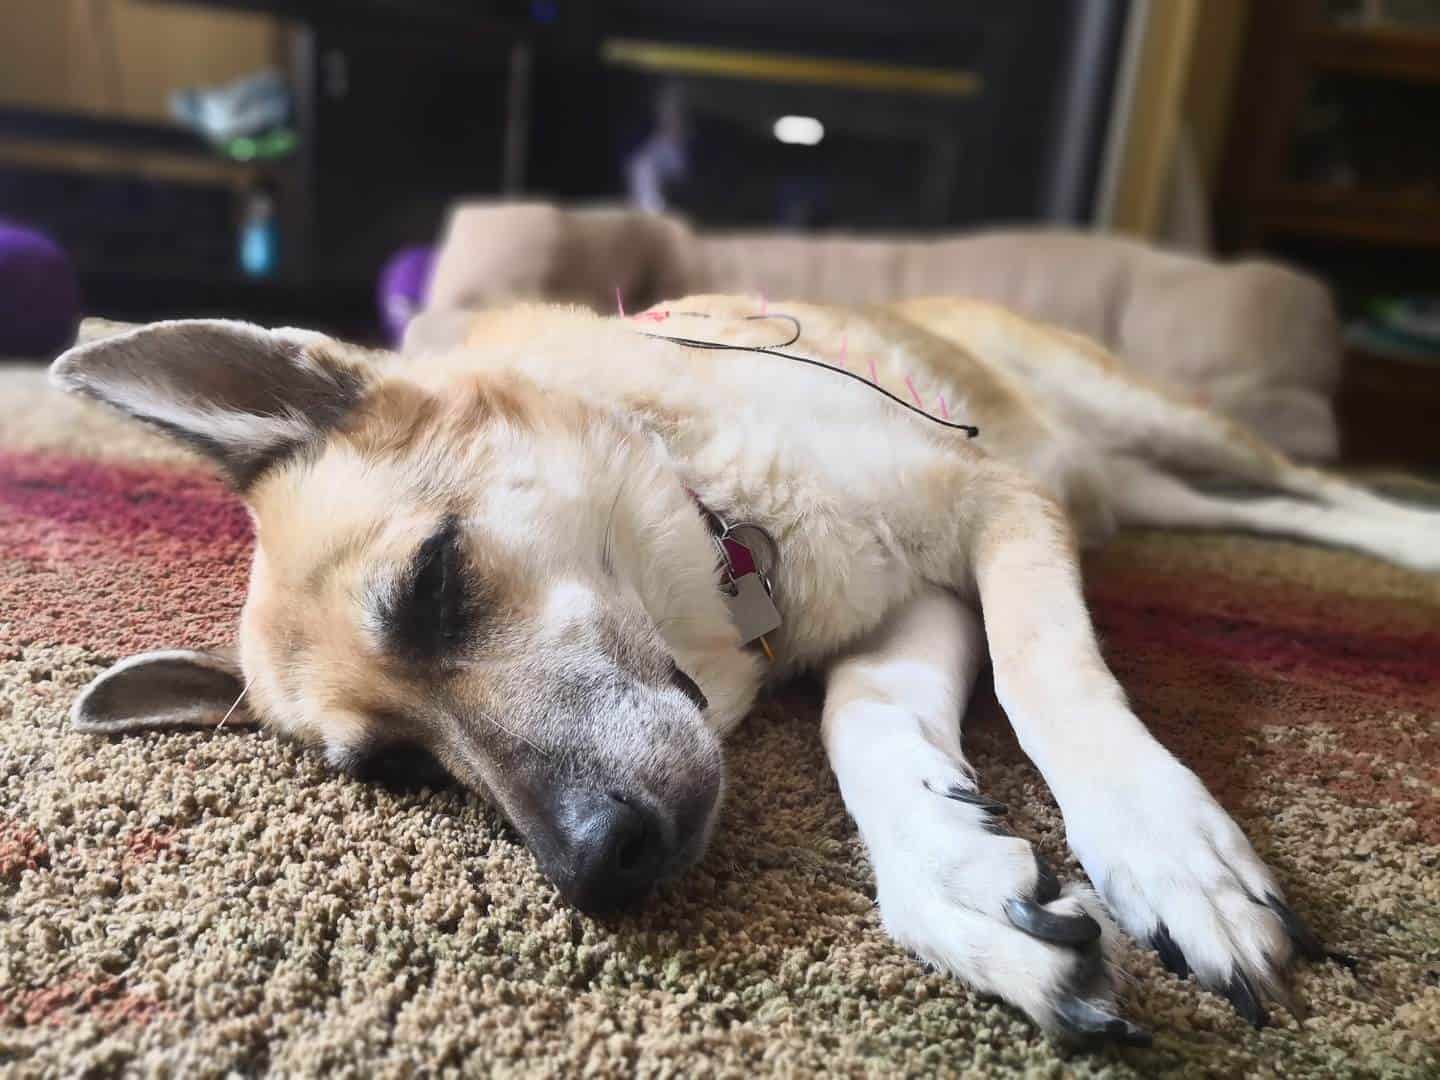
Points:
[[1255, 340]]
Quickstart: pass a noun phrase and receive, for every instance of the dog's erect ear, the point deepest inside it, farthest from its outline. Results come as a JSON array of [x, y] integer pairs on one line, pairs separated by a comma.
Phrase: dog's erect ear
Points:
[[174, 688], [245, 396]]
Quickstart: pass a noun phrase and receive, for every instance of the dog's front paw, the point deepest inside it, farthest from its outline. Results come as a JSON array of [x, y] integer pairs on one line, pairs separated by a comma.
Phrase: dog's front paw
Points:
[[1178, 874], [971, 899]]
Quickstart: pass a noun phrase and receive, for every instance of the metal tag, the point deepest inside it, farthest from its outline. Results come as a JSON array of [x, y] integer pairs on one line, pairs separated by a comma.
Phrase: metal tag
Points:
[[751, 609]]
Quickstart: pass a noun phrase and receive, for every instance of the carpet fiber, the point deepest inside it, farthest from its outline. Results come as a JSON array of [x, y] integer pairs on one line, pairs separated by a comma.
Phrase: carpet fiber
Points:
[[208, 903]]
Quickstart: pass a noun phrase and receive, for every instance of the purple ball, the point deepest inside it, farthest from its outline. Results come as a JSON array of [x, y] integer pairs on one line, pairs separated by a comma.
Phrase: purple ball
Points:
[[403, 284], [39, 294]]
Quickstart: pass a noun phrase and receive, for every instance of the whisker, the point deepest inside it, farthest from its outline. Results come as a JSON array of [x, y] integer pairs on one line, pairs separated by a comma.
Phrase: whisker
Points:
[[516, 735], [243, 691], [608, 546]]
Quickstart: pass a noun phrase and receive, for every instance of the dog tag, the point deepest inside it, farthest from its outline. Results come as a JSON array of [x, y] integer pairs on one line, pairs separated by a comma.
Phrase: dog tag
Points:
[[751, 609], [747, 586]]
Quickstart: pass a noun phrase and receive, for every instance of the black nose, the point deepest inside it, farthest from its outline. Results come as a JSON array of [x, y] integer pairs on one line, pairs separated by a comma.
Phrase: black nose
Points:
[[617, 849]]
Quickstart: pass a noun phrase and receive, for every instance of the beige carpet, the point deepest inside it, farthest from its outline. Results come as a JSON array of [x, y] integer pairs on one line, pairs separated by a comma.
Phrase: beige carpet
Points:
[[208, 904]]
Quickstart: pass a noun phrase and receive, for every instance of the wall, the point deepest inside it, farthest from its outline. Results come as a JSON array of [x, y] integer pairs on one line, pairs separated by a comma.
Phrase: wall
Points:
[[123, 57]]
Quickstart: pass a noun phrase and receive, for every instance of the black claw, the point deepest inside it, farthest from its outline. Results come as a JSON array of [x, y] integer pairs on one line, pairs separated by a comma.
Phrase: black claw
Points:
[[1304, 938], [1084, 1020], [1247, 1003], [1345, 960], [1053, 926], [1171, 954], [1047, 885], [965, 795]]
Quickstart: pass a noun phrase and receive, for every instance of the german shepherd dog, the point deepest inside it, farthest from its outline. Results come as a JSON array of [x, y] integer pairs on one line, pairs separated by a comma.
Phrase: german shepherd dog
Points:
[[498, 558]]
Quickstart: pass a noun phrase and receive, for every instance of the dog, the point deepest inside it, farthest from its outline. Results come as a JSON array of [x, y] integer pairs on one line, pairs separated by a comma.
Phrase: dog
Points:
[[512, 556]]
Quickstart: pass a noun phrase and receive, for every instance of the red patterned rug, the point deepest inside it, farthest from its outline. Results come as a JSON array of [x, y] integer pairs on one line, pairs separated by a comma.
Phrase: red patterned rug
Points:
[[219, 903]]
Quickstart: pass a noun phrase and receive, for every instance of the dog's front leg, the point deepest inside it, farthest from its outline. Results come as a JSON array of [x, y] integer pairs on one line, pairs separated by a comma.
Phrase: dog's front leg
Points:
[[953, 888], [1173, 867]]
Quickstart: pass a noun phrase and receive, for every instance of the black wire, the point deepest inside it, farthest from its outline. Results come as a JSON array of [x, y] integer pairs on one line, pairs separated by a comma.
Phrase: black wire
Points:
[[774, 350]]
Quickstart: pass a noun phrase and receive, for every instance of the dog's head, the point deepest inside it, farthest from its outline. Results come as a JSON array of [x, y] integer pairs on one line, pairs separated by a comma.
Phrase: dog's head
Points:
[[448, 561]]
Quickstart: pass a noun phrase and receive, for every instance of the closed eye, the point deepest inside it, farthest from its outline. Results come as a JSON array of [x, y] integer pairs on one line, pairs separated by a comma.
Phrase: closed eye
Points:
[[434, 610], [688, 686]]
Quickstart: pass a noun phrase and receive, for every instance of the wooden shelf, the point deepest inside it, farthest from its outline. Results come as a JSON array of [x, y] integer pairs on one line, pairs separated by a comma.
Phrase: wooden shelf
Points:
[[1386, 408], [93, 143], [1410, 219], [147, 164], [1290, 45], [1410, 55]]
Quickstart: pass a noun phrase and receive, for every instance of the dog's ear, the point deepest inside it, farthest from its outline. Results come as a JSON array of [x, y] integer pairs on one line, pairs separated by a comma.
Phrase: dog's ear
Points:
[[245, 396], [174, 688]]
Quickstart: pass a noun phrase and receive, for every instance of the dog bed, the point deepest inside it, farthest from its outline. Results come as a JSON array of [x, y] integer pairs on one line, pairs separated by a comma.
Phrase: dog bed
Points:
[[1258, 341], [217, 903]]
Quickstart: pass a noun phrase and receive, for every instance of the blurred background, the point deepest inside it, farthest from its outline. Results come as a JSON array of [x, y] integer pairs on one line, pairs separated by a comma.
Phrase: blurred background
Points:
[[295, 161]]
